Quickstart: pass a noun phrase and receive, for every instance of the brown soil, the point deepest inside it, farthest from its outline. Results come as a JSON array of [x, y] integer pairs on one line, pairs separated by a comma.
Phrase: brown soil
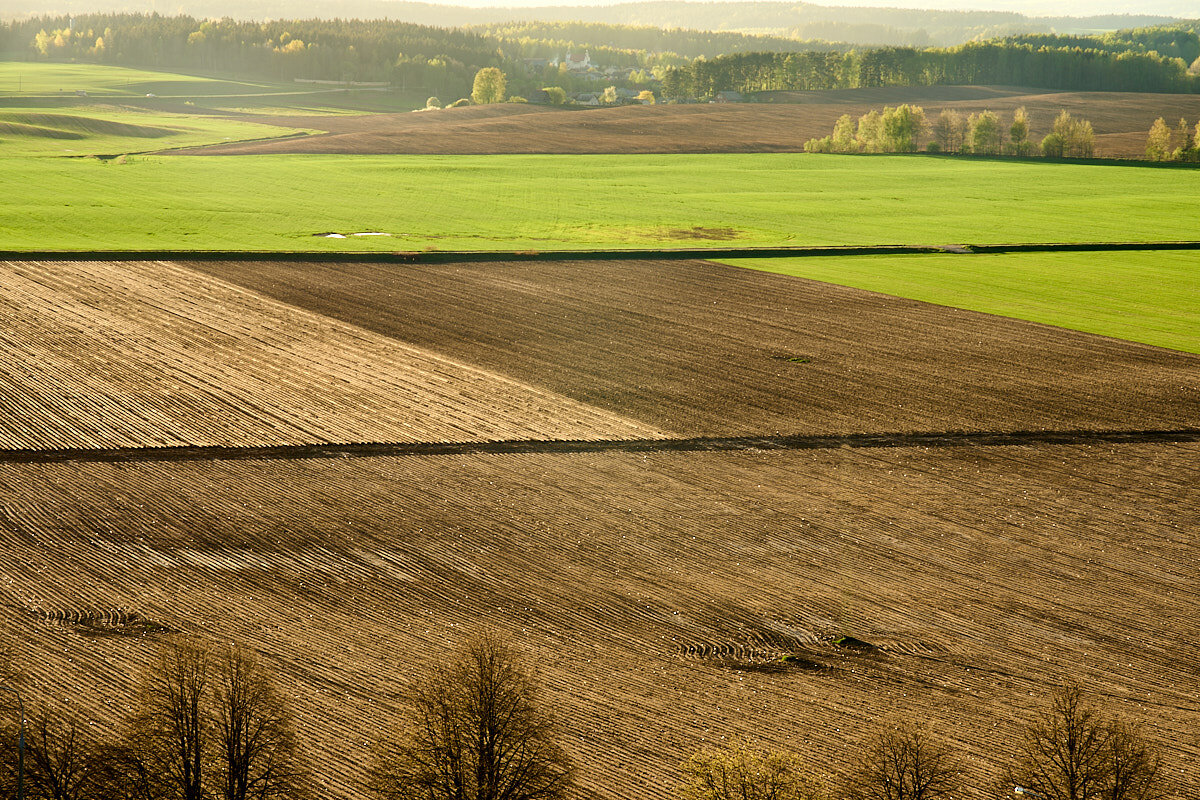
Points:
[[702, 349], [656, 594], [781, 125]]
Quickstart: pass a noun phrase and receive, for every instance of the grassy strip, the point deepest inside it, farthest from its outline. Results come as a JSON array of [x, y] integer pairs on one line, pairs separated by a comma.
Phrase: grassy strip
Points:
[[555, 202], [1149, 297]]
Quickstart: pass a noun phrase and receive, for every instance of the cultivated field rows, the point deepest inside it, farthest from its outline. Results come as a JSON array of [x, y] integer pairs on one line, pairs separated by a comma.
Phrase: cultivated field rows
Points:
[[783, 123], [655, 593], [701, 349], [150, 354]]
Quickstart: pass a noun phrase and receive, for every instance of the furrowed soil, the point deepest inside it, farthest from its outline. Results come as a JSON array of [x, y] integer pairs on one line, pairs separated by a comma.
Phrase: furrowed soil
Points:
[[782, 123], [150, 354], [668, 599], [700, 349]]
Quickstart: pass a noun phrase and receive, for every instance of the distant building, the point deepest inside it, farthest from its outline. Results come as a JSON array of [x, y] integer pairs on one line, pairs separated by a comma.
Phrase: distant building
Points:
[[578, 62], [539, 96], [729, 97]]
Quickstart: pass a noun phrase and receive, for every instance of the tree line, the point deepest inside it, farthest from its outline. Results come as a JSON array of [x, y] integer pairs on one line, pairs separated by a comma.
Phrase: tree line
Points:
[[976, 63], [906, 129], [209, 723]]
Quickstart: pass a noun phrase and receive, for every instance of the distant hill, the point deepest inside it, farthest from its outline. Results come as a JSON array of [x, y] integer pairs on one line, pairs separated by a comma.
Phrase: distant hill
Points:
[[859, 26]]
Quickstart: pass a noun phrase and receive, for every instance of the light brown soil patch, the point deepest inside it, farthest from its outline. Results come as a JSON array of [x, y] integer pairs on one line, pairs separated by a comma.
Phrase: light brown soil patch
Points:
[[701, 349], [1120, 119], [120, 354], [656, 594]]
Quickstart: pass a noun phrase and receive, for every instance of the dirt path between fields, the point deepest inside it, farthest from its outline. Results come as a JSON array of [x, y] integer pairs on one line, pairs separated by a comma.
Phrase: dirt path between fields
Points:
[[683, 254], [542, 446]]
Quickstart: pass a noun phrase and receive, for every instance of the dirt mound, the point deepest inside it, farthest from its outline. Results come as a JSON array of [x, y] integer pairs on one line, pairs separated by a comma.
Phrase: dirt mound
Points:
[[1120, 120]]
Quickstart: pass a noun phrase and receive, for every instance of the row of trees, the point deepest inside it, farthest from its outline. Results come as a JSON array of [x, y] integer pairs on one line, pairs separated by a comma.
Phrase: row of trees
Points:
[[903, 129], [1072, 752], [976, 63], [209, 724], [1180, 144]]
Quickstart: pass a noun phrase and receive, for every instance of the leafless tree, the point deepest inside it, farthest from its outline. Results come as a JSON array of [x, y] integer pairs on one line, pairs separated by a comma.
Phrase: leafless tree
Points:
[[1073, 752], [1134, 766], [60, 756], [904, 763], [475, 731], [258, 756], [171, 730]]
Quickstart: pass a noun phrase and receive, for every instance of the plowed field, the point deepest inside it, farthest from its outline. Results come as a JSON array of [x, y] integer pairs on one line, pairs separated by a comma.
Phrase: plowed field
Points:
[[656, 586], [149, 354], [1120, 119], [655, 593], [704, 350]]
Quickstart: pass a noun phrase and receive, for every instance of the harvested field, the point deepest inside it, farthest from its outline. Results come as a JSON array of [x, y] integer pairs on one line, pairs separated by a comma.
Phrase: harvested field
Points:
[[656, 594], [149, 354], [701, 349], [782, 124]]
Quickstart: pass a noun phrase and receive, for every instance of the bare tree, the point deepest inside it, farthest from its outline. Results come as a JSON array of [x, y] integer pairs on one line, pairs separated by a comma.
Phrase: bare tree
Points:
[[742, 772], [171, 731], [61, 758], [476, 731], [258, 752], [1075, 753], [1134, 766], [904, 763]]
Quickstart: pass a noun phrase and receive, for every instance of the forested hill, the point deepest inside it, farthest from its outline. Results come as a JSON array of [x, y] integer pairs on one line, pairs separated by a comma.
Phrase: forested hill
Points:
[[857, 26], [446, 60]]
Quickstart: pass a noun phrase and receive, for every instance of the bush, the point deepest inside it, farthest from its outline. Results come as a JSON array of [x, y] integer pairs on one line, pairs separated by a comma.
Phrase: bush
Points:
[[459, 103], [823, 145], [741, 772], [933, 147], [433, 102], [517, 99]]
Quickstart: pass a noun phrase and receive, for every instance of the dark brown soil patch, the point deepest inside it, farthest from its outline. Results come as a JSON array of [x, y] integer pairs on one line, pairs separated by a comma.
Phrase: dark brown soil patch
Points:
[[692, 347]]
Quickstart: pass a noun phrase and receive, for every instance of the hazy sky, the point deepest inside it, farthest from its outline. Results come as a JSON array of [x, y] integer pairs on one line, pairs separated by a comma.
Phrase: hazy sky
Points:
[[1038, 8]]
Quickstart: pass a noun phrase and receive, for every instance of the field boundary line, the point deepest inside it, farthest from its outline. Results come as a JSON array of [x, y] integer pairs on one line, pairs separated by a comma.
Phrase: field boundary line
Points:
[[688, 253], [567, 447]]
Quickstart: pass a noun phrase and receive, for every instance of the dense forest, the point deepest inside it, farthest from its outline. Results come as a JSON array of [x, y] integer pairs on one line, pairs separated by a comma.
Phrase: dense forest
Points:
[[986, 63], [444, 61]]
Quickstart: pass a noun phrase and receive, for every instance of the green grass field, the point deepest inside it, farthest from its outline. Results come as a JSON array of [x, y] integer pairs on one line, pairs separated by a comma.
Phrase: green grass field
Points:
[[114, 129], [22, 78], [571, 202], [26, 82], [1150, 297]]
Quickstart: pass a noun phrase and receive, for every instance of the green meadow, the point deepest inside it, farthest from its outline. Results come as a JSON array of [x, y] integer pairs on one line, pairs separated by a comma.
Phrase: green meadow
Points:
[[1144, 296], [112, 129], [23, 78], [570, 202]]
